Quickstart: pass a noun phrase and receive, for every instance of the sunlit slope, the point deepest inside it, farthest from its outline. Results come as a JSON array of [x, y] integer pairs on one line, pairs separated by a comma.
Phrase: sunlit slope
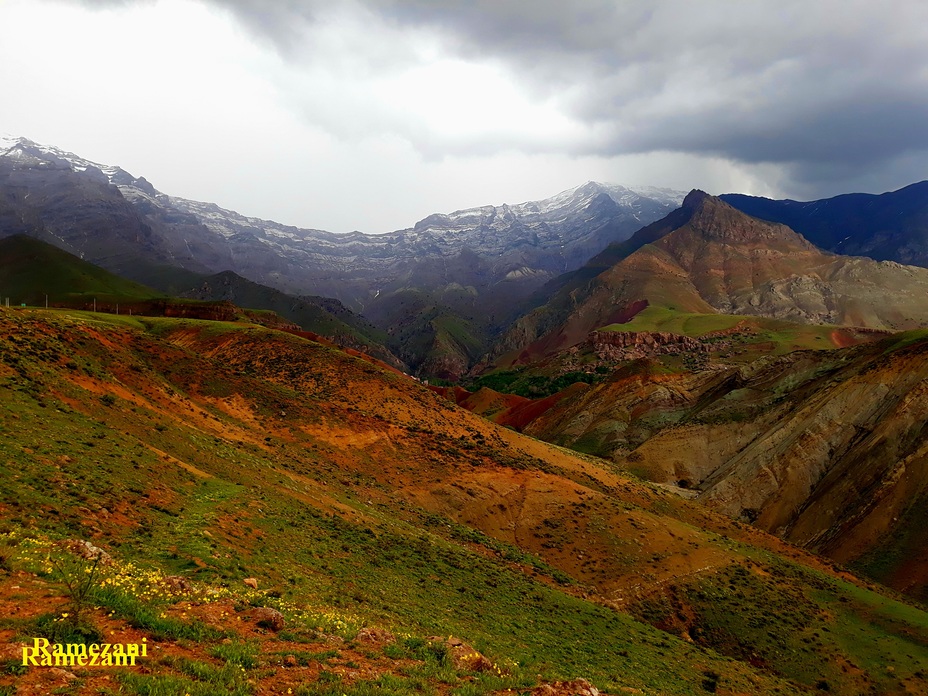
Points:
[[223, 451], [826, 448], [708, 258]]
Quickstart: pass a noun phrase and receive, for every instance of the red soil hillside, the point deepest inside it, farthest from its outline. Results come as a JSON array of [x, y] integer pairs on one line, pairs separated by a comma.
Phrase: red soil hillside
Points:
[[825, 448], [220, 453]]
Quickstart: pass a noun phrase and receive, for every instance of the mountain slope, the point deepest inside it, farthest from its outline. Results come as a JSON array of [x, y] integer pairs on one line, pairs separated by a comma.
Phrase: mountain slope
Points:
[[826, 448], [321, 315], [79, 208], [523, 243], [218, 453], [31, 269], [889, 227], [33, 272], [475, 266], [710, 258]]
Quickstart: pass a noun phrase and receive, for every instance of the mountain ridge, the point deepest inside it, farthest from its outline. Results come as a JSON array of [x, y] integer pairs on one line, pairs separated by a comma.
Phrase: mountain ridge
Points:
[[708, 257], [441, 229], [474, 266], [892, 226]]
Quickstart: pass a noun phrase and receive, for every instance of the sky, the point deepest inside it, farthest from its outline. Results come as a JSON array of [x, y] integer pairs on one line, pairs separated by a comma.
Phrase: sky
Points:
[[372, 114]]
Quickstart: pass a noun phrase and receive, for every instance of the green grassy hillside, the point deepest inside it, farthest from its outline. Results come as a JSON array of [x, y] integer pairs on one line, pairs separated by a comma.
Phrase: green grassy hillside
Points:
[[360, 503], [757, 335], [31, 269], [321, 315]]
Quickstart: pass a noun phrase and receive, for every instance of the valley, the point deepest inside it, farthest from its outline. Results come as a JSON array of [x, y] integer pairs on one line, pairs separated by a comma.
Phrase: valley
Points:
[[591, 442]]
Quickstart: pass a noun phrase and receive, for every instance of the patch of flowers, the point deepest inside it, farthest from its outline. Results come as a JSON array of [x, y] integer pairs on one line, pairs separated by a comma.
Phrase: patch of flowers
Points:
[[152, 587]]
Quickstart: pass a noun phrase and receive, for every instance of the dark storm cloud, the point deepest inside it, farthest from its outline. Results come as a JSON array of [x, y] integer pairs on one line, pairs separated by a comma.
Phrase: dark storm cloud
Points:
[[817, 87]]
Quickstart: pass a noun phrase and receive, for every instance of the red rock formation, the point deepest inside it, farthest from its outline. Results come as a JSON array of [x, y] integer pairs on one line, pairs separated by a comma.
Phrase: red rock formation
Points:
[[630, 345]]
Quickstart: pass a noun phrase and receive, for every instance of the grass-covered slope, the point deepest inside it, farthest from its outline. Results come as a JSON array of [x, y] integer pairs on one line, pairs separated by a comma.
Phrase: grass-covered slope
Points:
[[35, 273], [320, 315], [355, 497], [439, 335], [31, 269], [746, 338]]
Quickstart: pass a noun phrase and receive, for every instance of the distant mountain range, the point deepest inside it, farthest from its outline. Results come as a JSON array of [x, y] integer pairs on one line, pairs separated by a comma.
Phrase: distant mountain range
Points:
[[442, 291], [455, 279], [889, 227], [709, 258], [528, 242]]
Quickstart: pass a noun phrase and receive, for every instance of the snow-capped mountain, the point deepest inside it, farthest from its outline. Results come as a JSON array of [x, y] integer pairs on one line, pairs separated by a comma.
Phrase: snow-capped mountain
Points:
[[475, 248], [556, 223], [442, 288]]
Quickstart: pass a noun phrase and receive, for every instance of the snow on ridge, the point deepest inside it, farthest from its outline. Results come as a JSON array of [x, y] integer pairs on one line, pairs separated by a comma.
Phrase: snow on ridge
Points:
[[480, 225], [7, 141], [77, 163], [580, 196], [553, 209]]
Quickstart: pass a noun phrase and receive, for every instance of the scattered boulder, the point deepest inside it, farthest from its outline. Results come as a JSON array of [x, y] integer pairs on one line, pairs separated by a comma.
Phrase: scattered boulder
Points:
[[58, 672], [582, 688], [177, 583], [462, 655], [86, 550], [577, 687], [370, 634], [268, 618]]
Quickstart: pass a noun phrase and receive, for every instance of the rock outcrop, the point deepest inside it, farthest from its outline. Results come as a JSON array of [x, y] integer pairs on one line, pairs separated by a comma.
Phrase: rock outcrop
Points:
[[630, 345]]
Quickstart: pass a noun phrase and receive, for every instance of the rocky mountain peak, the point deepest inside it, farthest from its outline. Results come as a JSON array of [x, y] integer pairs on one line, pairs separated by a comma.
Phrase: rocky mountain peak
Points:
[[891, 226], [694, 198], [590, 188], [715, 220]]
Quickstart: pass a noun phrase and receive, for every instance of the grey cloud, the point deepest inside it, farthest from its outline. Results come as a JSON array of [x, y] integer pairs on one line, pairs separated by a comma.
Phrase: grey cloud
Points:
[[284, 22], [822, 88], [784, 81]]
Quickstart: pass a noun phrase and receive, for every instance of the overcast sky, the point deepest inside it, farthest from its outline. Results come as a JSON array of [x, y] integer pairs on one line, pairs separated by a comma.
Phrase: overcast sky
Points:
[[372, 114]]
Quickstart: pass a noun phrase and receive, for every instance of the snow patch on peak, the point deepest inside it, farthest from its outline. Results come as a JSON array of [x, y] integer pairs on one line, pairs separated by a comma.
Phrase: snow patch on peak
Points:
[[14, 147], [8, 141], [581, 196]]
